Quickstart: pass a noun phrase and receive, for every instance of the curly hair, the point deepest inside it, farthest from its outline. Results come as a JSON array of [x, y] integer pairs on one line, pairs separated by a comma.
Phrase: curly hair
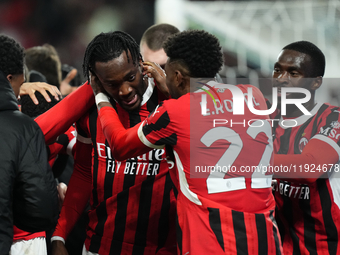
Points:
[[11, 56], [31, 109], [316, 55], [107, 46], [199, 50]]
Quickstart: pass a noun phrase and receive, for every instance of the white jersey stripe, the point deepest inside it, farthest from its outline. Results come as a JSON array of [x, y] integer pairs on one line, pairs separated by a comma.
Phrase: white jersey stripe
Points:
[[145, 141], [329, 141], [183, 183]]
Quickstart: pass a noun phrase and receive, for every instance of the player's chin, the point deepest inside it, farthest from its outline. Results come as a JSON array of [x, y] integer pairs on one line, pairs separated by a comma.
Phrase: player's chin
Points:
[[131, 106]]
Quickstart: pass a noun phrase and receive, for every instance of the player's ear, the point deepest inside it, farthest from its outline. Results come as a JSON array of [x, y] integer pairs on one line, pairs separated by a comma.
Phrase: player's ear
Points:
[[316, 83], [140, 62], [182, 74], [179, 77], [9, 77]]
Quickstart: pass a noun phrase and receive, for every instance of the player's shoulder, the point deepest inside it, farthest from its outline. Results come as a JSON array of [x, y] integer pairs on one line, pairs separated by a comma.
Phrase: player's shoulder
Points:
[[179, 103], [327, 109], [255, 93], [331, 108], [246, 88], [174, 108]]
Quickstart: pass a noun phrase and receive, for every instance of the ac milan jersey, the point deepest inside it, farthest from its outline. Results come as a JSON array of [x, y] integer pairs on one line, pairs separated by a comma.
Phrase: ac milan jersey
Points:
[[65, 144], [308, 214], [224, 203], [132, 201]]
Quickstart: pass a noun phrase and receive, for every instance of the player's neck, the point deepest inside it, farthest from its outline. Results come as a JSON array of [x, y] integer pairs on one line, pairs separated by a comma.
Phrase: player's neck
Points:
[[195, 83]]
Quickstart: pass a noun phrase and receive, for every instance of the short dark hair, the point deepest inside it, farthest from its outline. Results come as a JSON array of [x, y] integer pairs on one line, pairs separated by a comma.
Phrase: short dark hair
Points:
[[199, 50], [45, 59], [155, 36], [31, 109], [11, 56], [316, 55], [107, 46]]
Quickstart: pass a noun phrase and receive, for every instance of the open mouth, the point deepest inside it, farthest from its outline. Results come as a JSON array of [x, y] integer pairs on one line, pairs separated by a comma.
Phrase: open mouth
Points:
[[130, 101]]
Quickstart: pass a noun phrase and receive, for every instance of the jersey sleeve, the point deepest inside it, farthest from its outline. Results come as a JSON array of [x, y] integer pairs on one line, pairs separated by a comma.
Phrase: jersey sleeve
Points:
[[329, 129], [65, 144], [60, 117], [157, 131], [153, 132], [125, 142], [322, 150], [72, 138], [316, 152], [79, 188]]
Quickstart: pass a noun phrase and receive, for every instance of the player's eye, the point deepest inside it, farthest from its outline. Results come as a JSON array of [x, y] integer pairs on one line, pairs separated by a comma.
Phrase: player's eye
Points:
[[132, 77]]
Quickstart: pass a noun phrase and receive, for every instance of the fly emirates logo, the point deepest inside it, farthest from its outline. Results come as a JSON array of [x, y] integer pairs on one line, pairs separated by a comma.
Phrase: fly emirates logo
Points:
[[146, 164]]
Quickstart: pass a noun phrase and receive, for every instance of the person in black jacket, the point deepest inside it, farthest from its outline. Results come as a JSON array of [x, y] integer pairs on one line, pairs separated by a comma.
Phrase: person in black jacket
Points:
[[28, 194]]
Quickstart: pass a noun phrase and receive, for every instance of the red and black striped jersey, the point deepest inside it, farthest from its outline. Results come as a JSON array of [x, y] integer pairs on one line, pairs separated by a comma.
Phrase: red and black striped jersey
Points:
[[65, 144], [224, 202], [308, 214], [132, 201]]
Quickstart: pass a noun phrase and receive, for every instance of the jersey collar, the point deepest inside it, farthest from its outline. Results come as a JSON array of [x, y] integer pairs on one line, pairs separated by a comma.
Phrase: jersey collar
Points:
[[301, 119], [149, 90]]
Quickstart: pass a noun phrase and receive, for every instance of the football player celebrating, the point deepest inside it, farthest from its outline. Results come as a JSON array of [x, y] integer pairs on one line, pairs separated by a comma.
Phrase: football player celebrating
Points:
[[132, 201], [224, 210], [307, 198]]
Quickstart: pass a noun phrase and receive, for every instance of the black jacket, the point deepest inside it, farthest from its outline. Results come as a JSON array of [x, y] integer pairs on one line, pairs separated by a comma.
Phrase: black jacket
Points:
[[28, 194]]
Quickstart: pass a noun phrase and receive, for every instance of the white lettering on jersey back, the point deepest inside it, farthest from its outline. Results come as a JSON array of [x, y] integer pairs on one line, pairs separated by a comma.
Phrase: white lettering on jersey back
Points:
[[227, 103]]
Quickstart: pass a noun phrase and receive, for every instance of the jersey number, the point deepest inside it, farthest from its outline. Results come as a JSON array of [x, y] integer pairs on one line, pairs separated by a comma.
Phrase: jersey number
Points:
[[215, 181]]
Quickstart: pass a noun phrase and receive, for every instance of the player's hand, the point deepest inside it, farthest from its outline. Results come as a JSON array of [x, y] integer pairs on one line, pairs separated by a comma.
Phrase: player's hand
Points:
[[58, 248], [96, 85], [65, 87], [29, 88], [61, 188], [153, 70]]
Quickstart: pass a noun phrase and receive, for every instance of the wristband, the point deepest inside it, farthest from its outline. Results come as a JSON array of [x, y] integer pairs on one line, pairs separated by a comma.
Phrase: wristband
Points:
[[57, 238], [101, 97]]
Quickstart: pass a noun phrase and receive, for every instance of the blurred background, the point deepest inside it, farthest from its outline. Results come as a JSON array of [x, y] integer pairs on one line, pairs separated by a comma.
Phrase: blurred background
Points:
[[252, 33]]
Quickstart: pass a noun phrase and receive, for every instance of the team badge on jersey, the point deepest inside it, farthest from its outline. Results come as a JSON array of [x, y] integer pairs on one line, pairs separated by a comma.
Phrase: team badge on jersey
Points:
[[302, 143]]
